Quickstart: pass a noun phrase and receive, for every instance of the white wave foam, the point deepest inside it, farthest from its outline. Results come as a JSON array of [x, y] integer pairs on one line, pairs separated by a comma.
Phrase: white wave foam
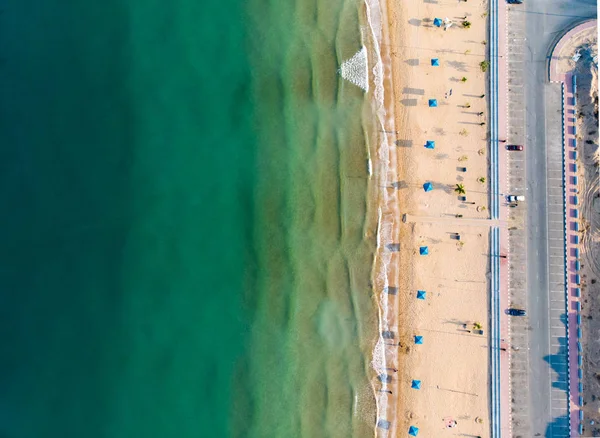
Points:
[[356, 69], [385, 173]]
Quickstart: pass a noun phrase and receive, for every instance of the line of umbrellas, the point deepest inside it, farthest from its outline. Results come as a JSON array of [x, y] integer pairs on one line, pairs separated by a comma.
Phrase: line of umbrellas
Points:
[[428, 186]]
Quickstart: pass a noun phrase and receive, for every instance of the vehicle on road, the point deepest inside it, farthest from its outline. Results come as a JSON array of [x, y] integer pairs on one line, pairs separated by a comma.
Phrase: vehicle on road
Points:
[[514, 2], [516, 312], [515, 198], [514, 147]]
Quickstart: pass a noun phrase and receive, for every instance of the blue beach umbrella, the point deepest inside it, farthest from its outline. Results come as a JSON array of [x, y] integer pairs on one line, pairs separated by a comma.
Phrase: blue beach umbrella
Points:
[[413, 431], [432, 103], [435, 62], [424, 250], [419, 340], [437, 22], [428, 187], [430, 144], [421, 294], [416, 384]]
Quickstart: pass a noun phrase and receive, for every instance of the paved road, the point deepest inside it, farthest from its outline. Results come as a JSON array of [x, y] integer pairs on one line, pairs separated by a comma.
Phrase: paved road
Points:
[[545, 20]]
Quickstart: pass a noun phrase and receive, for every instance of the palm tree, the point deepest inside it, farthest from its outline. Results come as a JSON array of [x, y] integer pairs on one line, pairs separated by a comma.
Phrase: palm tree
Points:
[[460, 189], [481, 179], [484, 65], [466, 24], [464, 79]]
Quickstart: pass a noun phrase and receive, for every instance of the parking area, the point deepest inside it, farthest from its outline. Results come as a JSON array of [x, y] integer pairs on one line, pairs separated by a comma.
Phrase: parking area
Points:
[[556, 262], [517, 278], [547, 363]]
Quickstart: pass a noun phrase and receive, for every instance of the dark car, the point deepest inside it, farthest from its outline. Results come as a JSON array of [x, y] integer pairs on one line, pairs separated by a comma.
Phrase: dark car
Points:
[[514, 147], [516, 312], [514, 2]]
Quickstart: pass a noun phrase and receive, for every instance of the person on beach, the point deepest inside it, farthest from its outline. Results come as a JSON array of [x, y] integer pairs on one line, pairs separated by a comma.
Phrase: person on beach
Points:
[[450, 91], [480, 114], [482, 96]]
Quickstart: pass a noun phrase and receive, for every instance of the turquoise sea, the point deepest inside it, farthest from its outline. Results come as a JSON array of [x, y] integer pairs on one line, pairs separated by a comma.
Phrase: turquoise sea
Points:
[[186, 233]]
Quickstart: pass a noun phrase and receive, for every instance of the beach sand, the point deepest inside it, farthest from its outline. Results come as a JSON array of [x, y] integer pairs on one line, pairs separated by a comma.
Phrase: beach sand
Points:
[[452, 363]]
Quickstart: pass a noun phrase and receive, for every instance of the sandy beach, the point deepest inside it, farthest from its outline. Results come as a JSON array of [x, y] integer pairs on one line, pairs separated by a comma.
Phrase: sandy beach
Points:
[[452, 362]]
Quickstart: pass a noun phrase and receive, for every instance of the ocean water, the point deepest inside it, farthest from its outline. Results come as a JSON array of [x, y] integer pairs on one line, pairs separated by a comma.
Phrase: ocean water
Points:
[[186, 233]]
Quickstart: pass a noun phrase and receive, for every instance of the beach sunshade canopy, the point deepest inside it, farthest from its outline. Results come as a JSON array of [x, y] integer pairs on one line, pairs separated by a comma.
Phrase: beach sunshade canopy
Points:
[[419, 340], [435, 62], [424, 250], [428, 187], [430, 144], [437, 22], [433, 103], [416, 384], [413, 431], [421, 294]]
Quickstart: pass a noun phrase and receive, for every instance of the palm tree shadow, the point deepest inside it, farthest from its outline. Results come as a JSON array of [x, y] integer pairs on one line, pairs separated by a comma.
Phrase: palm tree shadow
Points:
[[458, 65], [559, 427], [558, 362], [447, 188]]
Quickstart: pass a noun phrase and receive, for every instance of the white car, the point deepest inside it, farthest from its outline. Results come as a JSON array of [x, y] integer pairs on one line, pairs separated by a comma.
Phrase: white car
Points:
[[515, 198]]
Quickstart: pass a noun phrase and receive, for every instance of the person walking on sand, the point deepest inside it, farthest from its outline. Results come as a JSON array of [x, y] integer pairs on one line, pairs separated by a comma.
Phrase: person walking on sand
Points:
[[482, 123], [480, 114], [450, 91]]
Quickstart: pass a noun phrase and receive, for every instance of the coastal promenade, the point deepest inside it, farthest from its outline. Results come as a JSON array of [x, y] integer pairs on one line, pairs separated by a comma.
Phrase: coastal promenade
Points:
[[499, 87]]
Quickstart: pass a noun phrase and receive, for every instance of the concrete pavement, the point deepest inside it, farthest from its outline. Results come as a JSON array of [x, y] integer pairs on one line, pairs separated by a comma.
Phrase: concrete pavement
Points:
[[542, 363]]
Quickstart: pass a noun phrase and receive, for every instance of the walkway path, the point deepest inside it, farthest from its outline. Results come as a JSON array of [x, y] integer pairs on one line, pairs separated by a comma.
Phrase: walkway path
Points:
[[452, 220]]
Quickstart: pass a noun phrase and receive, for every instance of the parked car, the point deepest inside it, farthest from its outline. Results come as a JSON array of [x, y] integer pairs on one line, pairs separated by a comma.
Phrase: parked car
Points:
[[514, 147], [516, 312], [514, 2], [515, 198]]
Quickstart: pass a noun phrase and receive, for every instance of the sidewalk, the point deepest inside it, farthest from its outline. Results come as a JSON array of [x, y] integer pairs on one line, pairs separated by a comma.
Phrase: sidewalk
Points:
[[505, 380]]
